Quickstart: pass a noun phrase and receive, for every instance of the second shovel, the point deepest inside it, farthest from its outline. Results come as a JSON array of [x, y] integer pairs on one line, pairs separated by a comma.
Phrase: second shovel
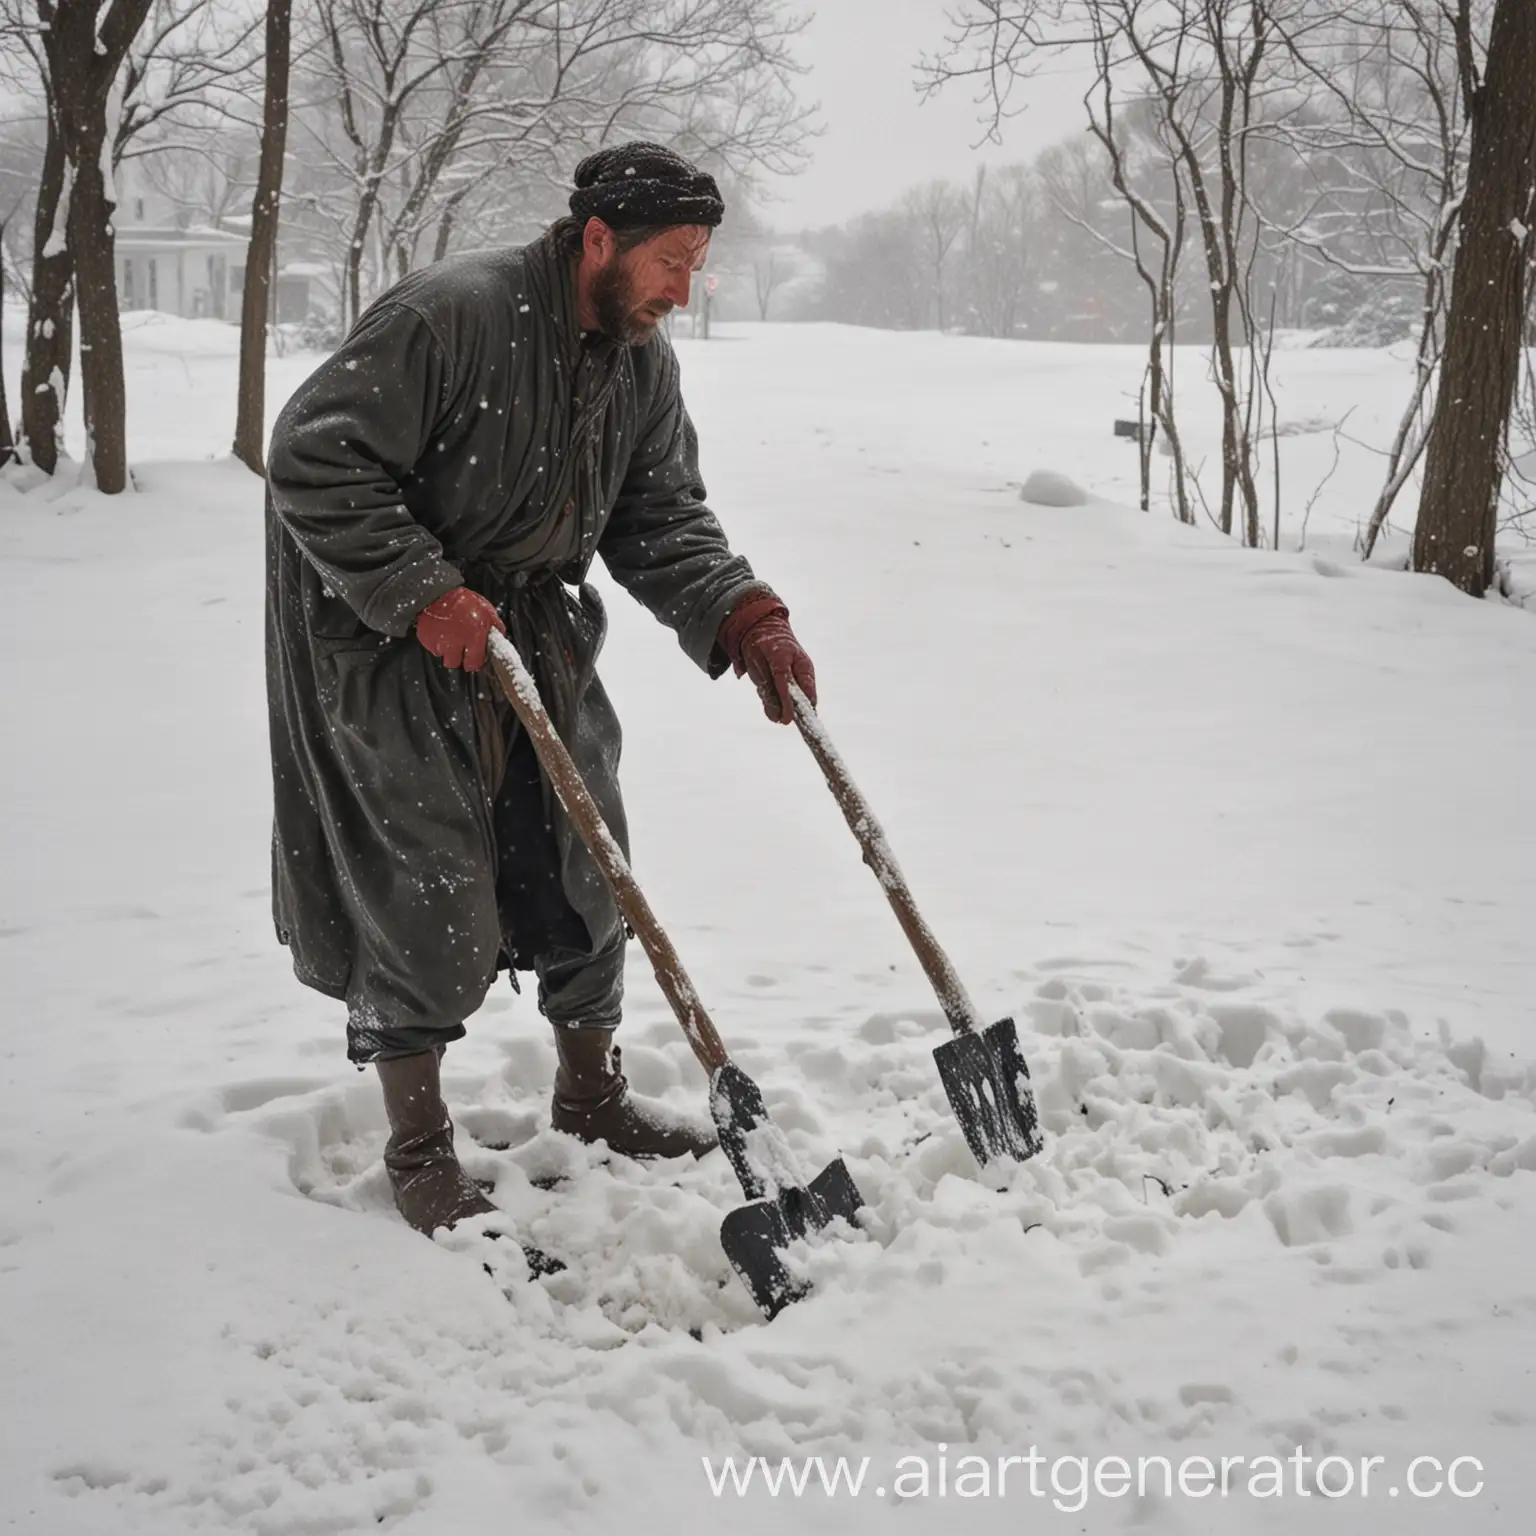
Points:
[[982, 1068]]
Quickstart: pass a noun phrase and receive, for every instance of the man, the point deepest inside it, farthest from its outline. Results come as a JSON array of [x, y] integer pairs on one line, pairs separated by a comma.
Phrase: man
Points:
[[489, 426]]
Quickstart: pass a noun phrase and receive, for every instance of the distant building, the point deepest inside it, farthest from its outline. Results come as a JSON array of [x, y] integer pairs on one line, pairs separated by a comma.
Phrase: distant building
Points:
[[168, 263], [197, 273]]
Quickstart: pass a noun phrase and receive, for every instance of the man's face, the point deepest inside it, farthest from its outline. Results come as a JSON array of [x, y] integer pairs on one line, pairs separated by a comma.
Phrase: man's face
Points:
[[633, 292]]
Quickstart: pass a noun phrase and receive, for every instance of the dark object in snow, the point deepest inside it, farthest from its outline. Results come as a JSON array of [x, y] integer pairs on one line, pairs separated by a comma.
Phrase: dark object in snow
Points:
[[783, 1206], [541, 1263], [982, 1069], [1131, 429]]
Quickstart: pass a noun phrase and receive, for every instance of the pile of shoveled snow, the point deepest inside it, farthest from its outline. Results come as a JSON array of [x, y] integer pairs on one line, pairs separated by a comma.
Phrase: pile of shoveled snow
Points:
[[1166, 1115], [1248, 1231]]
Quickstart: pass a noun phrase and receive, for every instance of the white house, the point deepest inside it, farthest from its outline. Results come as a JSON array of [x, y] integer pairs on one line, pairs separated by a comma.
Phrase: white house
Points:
[[197, 272], [166, 262]]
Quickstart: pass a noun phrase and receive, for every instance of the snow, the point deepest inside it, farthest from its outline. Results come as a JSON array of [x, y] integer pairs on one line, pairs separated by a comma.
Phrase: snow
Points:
[[54, 245], [1242, 841], [1045, 488], [104, 162]]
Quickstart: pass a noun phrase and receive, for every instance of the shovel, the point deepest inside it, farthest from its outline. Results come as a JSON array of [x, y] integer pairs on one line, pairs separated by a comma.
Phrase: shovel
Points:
[[982, 1068], [782, 1206]]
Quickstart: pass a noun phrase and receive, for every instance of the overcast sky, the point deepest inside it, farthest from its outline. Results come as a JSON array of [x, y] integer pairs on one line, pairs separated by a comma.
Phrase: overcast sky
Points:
[[881, 137]]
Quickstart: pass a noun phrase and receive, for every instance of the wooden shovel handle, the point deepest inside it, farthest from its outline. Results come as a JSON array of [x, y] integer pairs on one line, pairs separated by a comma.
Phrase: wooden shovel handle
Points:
[[523, 696], [953, 998]]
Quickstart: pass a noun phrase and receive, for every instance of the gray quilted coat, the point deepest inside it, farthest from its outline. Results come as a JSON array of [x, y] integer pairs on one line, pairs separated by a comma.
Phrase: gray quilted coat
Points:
[[466, 432]]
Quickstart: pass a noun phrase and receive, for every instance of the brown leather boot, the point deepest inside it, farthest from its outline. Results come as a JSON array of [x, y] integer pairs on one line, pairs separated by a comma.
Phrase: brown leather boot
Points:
[[431, 1189], [593, 1102]]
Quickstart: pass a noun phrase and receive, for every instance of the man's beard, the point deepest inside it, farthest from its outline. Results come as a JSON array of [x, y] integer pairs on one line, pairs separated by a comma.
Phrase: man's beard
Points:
[[614, 307]]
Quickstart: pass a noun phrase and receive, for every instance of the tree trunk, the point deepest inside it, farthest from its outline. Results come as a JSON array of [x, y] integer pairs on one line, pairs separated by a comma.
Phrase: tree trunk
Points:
[[1408, 442], [767, 280], [91, 244], [362, 221], [1464, 461], [50, 315], [352, 303], [85, 47], [7, 444], [261, 259], [445, 224], [1221, 356]]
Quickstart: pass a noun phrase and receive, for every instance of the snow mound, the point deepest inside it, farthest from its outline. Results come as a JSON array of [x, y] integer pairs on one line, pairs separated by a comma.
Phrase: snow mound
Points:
[[1235, 1237], [1046, 488]]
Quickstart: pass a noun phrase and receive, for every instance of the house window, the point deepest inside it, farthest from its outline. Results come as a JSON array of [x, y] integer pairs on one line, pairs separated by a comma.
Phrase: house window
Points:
[[127, 300], [138, 209], [154, 284]]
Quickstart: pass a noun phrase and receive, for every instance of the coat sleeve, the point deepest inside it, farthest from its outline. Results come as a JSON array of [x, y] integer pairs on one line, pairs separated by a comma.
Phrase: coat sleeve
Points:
[[340, 451], [662, 543]]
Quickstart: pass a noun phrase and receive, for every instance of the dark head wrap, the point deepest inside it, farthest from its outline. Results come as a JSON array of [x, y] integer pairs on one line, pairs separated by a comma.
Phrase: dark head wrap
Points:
[[630, 186]]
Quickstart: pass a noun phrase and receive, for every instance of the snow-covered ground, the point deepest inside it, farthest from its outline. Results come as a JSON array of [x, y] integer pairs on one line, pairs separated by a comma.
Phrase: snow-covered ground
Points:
[[1243, 840]]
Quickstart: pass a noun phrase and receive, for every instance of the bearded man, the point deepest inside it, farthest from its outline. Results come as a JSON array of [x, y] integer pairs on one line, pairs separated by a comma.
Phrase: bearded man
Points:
[[490, 425]]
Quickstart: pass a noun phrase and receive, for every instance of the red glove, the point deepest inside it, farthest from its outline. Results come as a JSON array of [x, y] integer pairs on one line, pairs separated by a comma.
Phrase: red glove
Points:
[[456, 627], [759, 641]]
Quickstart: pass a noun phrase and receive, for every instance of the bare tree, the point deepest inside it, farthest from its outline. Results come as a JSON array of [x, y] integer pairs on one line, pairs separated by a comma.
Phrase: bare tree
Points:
[[83, 58], [261, 257], [423, 104], [7, 443], [115, 79], [1485, 329], [1207, 112], [1088, 290], [49, 345], [1384, 155], [1140, 167], [210, 183], [875, 271], [186, 68], [770, 271], [1001, 253], [383, 56], [19, 164], [941, 213], [1199, 63]]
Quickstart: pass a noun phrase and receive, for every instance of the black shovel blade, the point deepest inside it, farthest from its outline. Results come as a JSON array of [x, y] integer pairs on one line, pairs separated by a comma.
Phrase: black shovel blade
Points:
[[987, 1082], [754, 1235]]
